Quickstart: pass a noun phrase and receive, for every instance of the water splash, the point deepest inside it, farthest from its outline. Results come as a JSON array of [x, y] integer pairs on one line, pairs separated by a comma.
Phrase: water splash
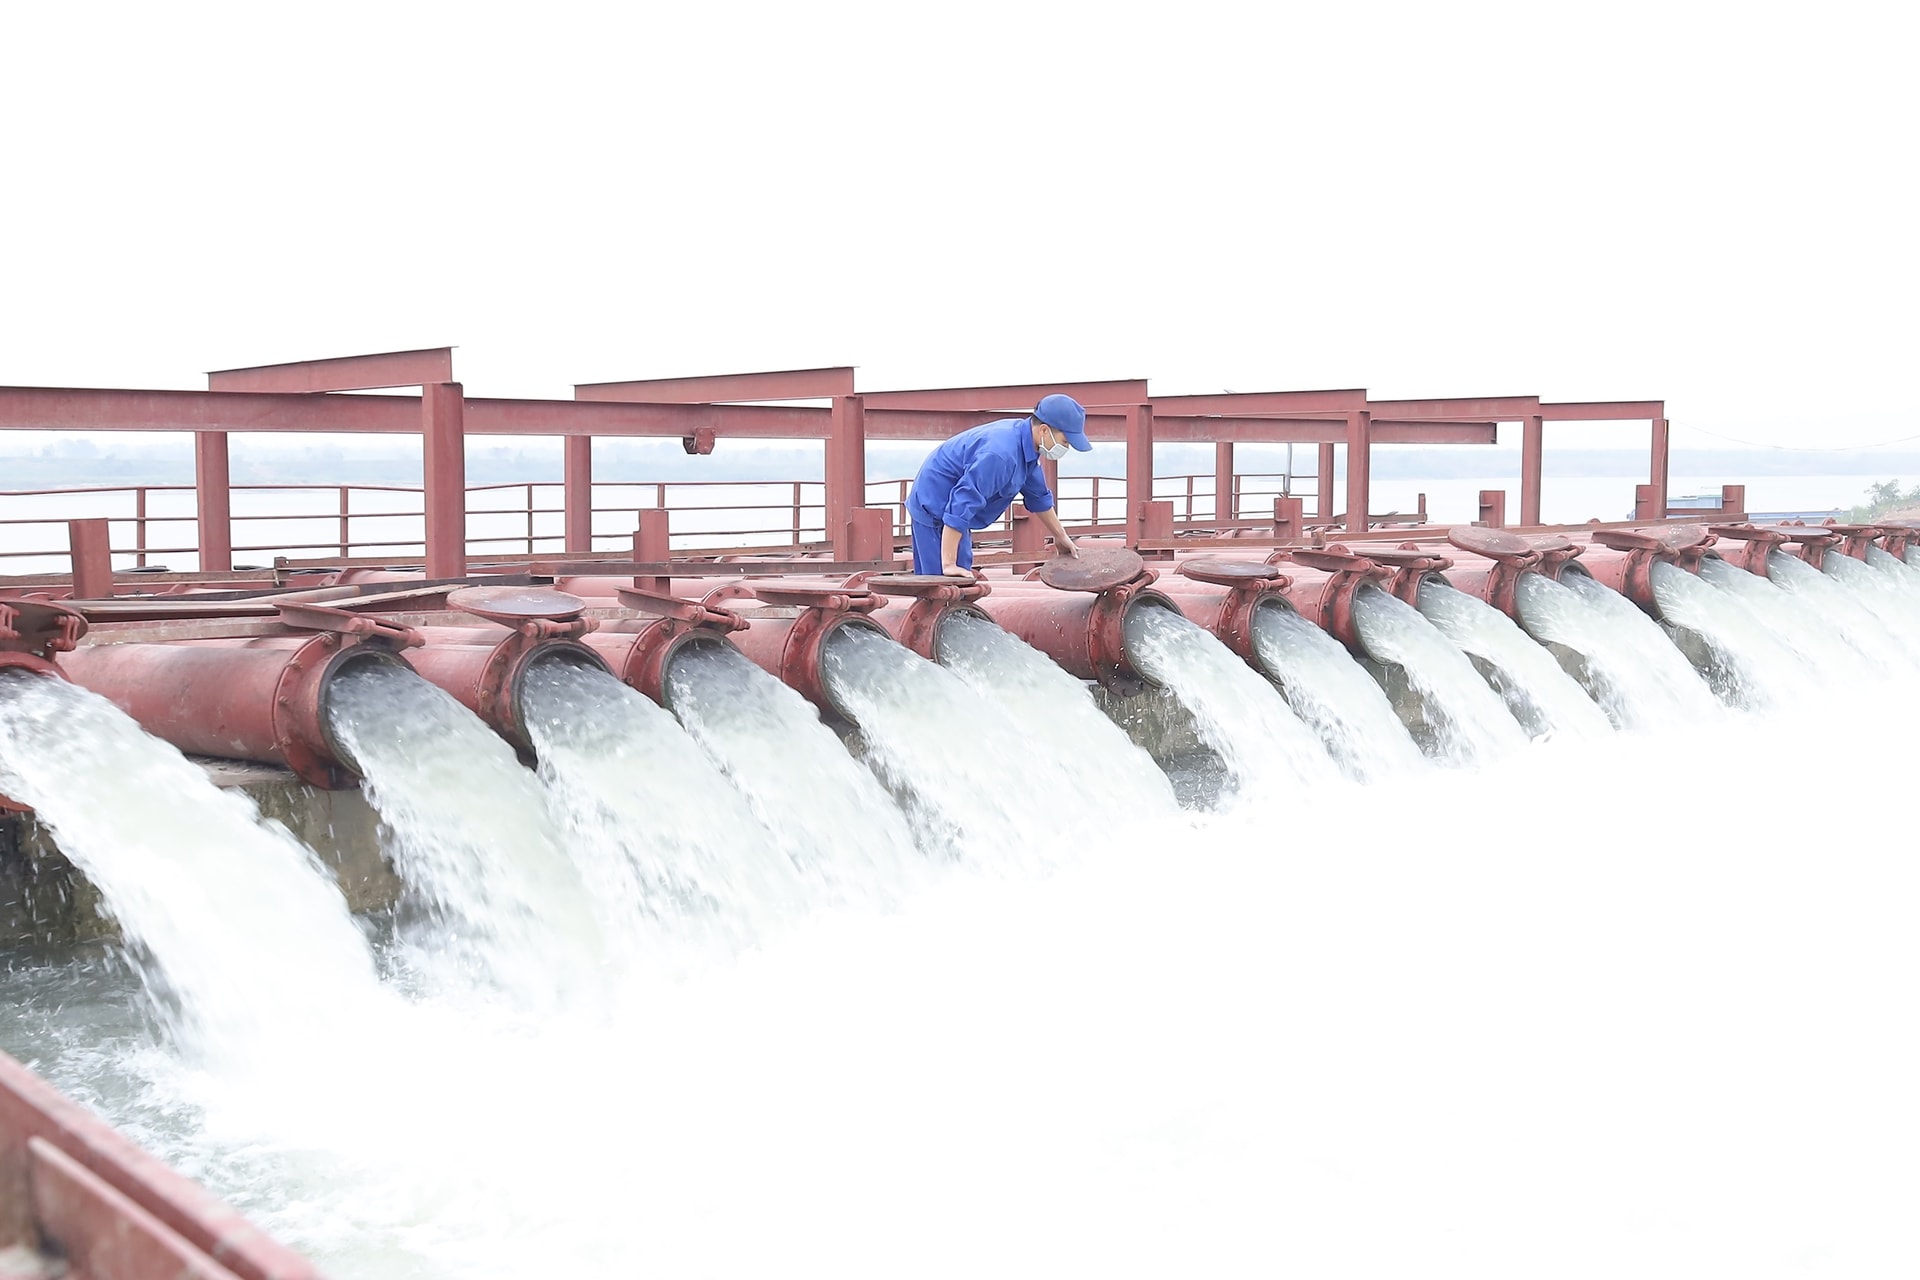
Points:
[[1893, 605], [1793, 621], [1843, 609], [1540, 695], [1334, 695], [241, 937], [492, 899], [658, 834], [1455, 715], [1266, 748], [1617, 652], [1057, 712], [831, 815], [973, 785], [1747, 662]]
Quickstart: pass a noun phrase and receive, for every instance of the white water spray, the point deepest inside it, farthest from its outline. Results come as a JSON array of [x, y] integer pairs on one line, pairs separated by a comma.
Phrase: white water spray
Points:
[[1892, 604], [975, 784], [1750, 664], [492, 897], [658, 834], [1236, 711], [1334, 695], [1842, 609], [1540, 695], [1793, 619], [240, 935], [1058, 711], [1903, 574], [1620, 654], [1464, 720], [831, 815]]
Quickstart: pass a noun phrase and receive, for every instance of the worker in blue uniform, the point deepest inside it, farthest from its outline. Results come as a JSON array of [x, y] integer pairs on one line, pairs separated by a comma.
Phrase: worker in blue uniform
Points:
[[971, 480]]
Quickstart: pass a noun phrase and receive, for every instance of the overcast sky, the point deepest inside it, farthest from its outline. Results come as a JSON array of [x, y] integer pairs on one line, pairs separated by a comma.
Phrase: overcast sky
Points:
[[1713, 204]]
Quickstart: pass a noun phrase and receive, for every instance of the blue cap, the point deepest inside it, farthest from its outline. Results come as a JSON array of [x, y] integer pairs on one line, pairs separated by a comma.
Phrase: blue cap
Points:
[[1064, 414]]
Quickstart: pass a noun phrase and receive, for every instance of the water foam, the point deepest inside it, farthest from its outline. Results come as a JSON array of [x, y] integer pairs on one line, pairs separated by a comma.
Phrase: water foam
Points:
[[1265, 747], [1334, 695], [1617, 652], [1540, 695], [240, 935], [1459, 718]]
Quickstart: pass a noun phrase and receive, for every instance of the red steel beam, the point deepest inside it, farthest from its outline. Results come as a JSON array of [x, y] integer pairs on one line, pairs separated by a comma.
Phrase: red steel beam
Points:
[[1492, 408], [784, 384], [845, 471], [1359, 469], [1326, 481], [213, 499], [444, 468], [577, 493], [1249, 402], [1604, 411], [1014, 398], [1532, 451], [102, 409], [342, 373]]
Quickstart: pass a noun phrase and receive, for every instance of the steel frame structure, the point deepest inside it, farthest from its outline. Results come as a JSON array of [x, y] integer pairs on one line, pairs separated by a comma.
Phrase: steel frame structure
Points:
[[302, 396]]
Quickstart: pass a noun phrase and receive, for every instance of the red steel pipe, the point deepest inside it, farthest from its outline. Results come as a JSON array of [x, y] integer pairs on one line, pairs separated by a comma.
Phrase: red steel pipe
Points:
[[1084, 632], [263, 698], [791, 643], [639, 650], [1624, 558], [1325, 582], [485, 668], [914, 609], [1223, 596]]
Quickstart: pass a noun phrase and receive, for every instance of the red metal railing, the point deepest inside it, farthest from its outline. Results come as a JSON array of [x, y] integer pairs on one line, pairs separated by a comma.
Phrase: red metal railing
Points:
[[148, 522]]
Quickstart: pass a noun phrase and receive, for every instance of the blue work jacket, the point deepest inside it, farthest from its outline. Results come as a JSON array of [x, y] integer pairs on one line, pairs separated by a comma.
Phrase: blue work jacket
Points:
[[969, 481]]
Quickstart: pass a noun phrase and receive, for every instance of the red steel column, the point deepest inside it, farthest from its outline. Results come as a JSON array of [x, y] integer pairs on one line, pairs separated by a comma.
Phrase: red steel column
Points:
[[846, 471], [1326, 482], [213, 501], [90, 548], [577, 491], [650, 546], [1359, 469], [1657, 473], [443, 432], [1139, 468], [1533, 438], [1222, 483]]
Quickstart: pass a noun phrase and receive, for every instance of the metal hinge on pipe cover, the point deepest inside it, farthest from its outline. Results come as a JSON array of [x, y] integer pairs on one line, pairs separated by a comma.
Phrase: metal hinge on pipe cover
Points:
[[40, 626], [319, 617], [692, 612]]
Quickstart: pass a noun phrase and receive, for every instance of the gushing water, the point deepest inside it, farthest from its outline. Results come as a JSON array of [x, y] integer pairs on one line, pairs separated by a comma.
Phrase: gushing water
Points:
[[1334, 695], [239, 934], [1892, 604], [1541, 696], [1843, 610], [657, 832], [1792, 619], [1462, 719], [1266, 748], [1617, 652], [833, 818], [975, 783], [1903, 574], [1058, 711], [493, 898], [1748, 664]]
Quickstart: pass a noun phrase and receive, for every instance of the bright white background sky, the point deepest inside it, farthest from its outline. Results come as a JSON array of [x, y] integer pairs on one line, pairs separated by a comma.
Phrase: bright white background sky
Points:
[[1710, 203]]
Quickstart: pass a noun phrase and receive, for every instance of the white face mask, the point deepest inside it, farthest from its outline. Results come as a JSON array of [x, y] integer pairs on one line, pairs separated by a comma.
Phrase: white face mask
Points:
[[1055, 451]]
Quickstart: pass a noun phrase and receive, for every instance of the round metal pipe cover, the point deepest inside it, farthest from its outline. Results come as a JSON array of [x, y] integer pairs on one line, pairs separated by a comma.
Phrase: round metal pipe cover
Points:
[[1222, 572], [513, 605], [1093, 569], [1495, 544]]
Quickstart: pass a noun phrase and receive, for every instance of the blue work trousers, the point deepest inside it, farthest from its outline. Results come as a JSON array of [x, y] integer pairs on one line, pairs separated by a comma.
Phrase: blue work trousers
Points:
[[926, 548]]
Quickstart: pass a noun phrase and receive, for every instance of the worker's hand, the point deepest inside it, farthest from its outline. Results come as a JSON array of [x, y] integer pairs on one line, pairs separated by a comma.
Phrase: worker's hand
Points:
[[955, 571], [1065, 547]]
